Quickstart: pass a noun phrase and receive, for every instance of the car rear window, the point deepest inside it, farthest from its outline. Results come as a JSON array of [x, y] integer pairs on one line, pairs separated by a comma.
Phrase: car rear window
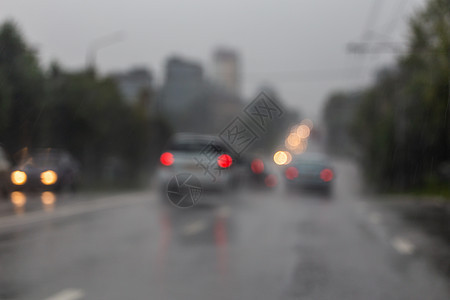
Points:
[[196, 147]]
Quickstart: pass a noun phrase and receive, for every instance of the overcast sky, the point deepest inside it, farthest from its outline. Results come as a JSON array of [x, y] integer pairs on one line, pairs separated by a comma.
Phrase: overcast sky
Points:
[[298, 46]]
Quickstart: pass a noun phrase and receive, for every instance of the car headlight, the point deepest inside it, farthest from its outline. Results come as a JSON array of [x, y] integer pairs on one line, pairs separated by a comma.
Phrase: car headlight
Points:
[[49, 177], [18, 177]]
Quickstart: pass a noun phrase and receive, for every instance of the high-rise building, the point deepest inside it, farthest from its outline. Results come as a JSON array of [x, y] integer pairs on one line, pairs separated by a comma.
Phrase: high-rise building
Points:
[[227, 70], [182, 86]]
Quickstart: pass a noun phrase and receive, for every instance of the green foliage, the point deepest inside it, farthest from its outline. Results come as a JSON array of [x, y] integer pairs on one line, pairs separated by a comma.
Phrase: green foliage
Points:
[[77, 111], [403, 125], [21, 88]]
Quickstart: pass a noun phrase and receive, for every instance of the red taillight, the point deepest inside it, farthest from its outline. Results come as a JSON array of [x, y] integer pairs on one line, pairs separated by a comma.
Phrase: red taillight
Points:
[[166, 158], [257, 166], [224, 161], [271, 180], [291, 173], [326, 175]]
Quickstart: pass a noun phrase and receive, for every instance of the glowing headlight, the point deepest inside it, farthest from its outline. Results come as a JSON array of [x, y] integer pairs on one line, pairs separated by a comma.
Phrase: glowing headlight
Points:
[[18, 177], [49, 177]]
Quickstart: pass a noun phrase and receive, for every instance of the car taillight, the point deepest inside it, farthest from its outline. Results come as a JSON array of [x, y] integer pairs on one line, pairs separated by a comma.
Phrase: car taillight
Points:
[[326, 175], [291, 173], [224, 161], [166, 158], [257, 166], [271, 180]]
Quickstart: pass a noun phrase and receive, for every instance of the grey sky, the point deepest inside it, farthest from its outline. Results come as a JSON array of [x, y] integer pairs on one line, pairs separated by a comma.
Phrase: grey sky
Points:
[[296, 46]]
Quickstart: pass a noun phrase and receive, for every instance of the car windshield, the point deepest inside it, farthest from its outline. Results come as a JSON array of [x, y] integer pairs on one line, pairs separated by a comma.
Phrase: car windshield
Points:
[[238, 149], [45, 160], [304, 164]]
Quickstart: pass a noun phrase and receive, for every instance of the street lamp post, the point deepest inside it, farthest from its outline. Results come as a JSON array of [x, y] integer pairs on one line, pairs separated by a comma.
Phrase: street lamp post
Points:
[[100, 43]]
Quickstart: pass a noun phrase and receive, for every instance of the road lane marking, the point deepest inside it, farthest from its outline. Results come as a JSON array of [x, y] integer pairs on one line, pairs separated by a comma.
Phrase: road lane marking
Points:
[[402, 246], [68, 294], [194, 227]]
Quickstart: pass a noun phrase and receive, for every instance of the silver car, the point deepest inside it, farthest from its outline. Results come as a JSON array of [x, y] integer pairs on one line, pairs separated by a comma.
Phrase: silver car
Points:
[[206, 157]]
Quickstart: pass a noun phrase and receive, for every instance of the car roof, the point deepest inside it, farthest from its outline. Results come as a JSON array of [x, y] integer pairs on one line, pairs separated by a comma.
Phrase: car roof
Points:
[[186, 137], [200, 139]]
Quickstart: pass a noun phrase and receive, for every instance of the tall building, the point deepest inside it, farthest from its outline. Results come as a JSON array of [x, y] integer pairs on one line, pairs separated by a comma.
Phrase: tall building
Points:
[[182, 86], [190, 102], [227, 70]]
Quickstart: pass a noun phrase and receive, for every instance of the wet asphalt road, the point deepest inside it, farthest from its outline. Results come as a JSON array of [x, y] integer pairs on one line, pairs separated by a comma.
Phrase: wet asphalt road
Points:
[[248, 245]]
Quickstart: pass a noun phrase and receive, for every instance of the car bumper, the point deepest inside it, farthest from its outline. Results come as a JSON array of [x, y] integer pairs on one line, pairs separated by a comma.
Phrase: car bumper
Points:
[[207, 181], [310, 183]]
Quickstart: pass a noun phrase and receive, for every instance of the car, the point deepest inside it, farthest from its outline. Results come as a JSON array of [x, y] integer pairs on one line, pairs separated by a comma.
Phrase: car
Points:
[[47, 169], [204, 156], [262, 173], [310, 171], [5, 167]]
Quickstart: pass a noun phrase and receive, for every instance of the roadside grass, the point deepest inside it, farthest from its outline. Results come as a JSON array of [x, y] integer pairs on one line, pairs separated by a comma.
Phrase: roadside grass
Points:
[[434, 189]]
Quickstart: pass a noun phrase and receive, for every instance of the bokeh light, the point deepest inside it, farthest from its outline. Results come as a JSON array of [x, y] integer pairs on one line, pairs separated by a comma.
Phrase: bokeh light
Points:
[[257, 166], [271, 180], [18, 177], [166, 158], [18, 199], [49, 177], [224, 161], [293, 140], [48, 198], [280, 157], [326, 175], [291, 173], [303, 131]]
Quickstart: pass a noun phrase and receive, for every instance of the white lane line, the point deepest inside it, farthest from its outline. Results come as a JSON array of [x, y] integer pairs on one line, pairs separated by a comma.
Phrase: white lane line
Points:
[[194, 227], [402, 246], [68, 294]]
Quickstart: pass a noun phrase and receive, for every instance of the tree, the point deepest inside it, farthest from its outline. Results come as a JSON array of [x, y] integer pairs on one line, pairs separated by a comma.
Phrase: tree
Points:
[[402, 126], [21, 89], [78, 111]]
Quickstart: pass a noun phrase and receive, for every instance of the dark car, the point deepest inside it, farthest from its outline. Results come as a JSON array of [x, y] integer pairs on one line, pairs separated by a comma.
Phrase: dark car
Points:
[[48, 169], [5, 170], [261, 172], [310, 171]]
